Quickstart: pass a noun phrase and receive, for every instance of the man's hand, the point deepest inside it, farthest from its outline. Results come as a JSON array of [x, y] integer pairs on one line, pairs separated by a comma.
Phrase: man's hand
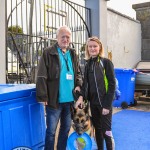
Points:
[[77, 89], [79, 102]]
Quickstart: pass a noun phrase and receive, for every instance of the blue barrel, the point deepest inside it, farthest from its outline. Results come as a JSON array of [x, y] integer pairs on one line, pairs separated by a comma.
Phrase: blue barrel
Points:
[[126, 85], [22, 121]]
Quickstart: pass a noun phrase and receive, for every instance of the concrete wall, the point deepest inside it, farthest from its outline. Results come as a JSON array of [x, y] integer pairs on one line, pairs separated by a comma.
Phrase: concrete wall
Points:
[[123, 39], [143, 15]]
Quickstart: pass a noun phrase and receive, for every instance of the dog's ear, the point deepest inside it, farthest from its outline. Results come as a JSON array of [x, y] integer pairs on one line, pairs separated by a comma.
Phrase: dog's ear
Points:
[[73, 110], [86, 109]]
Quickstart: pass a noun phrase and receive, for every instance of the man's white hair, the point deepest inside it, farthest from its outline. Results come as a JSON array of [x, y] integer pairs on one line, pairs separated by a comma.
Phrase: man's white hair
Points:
[[63, 28]]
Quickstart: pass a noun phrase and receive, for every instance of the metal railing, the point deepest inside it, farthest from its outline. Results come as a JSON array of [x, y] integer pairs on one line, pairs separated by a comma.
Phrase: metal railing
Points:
[[32, 26]]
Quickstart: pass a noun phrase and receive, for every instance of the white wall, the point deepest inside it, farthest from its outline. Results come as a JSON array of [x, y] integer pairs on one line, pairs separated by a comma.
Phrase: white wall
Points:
[[123, 39]]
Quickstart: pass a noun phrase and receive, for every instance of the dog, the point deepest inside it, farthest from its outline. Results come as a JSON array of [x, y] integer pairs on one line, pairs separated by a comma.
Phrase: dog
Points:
[[81, 120], [82, 123]]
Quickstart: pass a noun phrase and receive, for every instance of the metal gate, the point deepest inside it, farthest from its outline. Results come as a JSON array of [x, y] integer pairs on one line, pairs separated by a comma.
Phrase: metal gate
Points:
[[32, 26]]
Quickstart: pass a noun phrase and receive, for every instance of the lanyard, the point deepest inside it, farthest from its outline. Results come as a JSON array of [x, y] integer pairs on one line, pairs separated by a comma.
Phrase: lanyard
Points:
[[66, 60]]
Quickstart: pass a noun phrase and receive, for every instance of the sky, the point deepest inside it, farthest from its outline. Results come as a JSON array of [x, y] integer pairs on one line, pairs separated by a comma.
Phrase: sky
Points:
[[125, 6]]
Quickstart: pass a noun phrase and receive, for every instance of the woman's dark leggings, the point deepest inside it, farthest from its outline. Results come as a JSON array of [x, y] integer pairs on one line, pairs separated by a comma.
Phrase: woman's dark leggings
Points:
[[102, 124]]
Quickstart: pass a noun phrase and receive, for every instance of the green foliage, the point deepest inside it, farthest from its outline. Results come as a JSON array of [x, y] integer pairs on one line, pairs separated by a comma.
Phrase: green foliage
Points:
[[15, 29]]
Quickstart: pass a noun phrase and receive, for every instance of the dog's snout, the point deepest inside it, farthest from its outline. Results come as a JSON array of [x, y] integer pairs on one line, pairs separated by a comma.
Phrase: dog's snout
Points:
[[80, 125], [80, 133], [79, 128]]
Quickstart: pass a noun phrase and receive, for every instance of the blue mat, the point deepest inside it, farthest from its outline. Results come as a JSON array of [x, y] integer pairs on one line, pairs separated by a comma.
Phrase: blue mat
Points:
[[131, 130]]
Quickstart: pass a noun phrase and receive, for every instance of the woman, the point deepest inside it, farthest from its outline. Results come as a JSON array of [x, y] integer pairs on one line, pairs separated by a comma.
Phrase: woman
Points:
[[99, 88]]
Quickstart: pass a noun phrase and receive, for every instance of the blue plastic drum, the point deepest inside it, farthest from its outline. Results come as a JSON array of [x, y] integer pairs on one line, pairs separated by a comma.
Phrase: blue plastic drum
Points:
[[75, 140], [126, 82]]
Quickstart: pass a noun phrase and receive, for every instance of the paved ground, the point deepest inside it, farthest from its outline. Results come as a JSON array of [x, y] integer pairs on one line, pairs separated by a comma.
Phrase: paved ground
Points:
[[141, 105]]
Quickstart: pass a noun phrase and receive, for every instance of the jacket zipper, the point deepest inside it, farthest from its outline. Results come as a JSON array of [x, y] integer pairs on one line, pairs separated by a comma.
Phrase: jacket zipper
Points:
[[96, 84]]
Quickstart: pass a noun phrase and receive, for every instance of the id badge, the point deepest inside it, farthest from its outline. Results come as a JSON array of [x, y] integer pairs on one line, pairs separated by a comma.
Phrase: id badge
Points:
[[69, 76]]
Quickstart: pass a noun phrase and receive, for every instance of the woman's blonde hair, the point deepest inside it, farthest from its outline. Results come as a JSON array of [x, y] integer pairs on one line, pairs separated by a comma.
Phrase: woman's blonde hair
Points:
[[96, 39]]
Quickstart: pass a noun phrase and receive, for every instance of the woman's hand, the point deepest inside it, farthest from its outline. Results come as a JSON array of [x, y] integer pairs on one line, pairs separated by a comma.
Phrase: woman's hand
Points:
[[79, 102], [45, 103], [105, 111]]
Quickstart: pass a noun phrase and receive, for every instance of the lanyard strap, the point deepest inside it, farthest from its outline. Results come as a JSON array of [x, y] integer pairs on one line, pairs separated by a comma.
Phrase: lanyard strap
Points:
[[66, 60]]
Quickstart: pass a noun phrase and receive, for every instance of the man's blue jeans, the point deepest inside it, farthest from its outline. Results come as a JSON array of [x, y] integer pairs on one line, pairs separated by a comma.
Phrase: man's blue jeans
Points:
[[52, 118]]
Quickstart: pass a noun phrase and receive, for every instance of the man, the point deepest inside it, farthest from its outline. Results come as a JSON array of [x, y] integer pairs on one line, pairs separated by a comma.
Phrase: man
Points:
[[58, 75]]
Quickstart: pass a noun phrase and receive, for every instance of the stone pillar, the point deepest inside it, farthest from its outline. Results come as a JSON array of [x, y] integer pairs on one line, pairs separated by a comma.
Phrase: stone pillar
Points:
[[3, 41], [143, 15], [98, 19]]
